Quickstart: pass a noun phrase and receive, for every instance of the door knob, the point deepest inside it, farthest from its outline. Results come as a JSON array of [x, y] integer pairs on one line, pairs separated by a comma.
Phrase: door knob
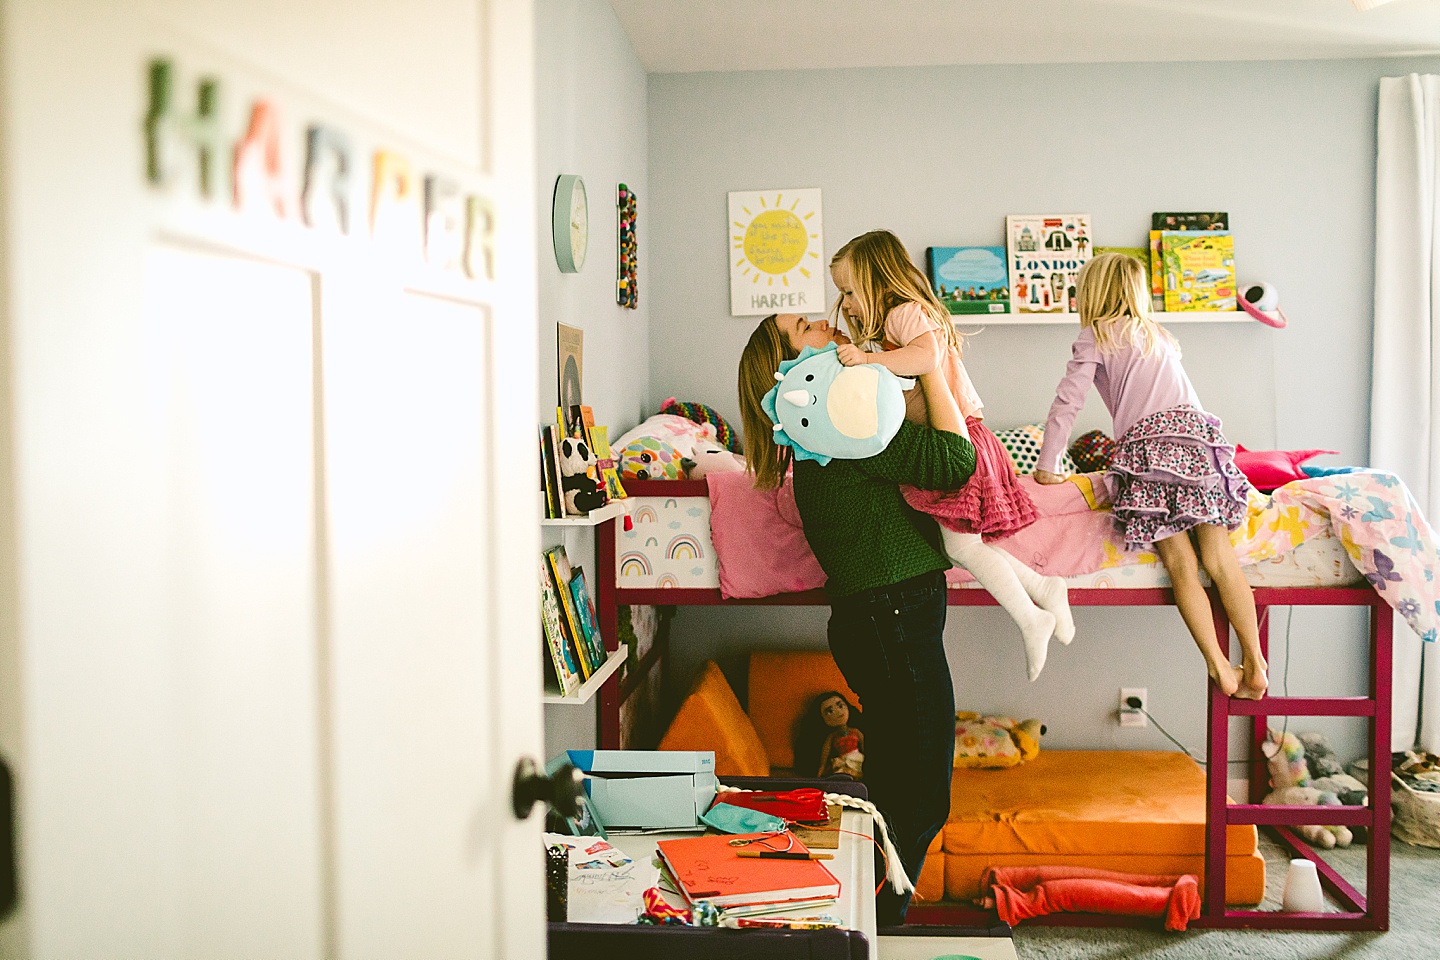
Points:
[[561, 790]]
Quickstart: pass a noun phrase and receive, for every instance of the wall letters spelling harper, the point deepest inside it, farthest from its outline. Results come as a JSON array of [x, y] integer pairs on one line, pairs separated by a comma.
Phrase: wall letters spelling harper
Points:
[[454, 230]]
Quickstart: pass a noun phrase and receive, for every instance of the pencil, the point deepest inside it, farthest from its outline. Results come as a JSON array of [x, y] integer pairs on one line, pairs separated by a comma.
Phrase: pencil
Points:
[[783, 855]]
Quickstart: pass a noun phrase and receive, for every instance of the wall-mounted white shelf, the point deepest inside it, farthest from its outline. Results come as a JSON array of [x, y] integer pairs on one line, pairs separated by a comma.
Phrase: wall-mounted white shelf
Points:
[[613, 509], [1015, 320], [586, 690]]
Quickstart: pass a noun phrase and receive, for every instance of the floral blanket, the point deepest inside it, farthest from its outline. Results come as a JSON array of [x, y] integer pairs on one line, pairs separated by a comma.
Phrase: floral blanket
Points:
[[1376, 520]]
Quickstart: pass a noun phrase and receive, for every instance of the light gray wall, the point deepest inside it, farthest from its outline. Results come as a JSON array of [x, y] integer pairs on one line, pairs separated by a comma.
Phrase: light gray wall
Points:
[[591, 120], [940, 156]]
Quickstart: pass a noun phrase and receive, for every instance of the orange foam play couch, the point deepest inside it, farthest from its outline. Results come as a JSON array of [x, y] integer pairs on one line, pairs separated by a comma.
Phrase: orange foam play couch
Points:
[[1134, 811]]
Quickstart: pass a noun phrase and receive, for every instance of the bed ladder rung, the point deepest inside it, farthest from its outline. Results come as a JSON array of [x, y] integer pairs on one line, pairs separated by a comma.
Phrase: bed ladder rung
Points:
[[1285, 815], [1302, 707]]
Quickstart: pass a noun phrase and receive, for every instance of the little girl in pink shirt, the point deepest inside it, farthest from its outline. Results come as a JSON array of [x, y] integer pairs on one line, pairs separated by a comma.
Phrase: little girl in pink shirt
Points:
[[889, 307]]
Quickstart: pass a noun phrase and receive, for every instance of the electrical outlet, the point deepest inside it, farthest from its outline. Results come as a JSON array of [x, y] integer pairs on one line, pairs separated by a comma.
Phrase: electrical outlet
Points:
[[1129, 716]]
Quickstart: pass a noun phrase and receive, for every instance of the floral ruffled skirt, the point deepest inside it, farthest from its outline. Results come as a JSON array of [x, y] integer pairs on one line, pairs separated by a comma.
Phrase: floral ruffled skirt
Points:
[[1173, 471]]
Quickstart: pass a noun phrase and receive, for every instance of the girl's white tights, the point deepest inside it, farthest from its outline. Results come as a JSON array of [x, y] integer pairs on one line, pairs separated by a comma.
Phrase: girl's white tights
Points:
[[1017, 589]]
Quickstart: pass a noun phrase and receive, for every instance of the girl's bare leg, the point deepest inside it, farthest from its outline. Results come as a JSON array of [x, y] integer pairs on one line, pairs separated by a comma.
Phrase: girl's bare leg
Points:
[[1218, 556], [1178, 555]]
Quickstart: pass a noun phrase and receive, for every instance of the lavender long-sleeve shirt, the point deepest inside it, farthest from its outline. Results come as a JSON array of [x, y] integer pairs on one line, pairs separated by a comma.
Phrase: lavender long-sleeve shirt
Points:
[[1132, 385]]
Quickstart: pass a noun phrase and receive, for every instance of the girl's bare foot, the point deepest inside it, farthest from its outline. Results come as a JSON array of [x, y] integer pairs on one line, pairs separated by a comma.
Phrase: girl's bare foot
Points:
[[1225, 676], [1253, 681], [985, 903]]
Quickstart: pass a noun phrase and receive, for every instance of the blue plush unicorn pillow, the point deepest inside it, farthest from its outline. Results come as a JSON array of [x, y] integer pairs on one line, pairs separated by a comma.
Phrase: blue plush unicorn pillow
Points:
[[823, 409]]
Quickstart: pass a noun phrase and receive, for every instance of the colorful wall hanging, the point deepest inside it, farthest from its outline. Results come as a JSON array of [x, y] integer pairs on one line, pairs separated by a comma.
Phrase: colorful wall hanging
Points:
[[627, 288]]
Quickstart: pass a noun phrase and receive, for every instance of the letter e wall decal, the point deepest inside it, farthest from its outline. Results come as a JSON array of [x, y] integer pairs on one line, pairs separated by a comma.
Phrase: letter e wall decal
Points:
[[444, 222]]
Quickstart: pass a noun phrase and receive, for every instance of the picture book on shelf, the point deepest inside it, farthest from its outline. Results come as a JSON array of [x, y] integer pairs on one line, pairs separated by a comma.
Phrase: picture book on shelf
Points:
[[606, 463], [1045, 254], [969, 279], [569, 364], [560, 573], [1190, 221], [1199, 269], [1157, 274], [710, 868], [562, 660], [585, 613], [554, 480]]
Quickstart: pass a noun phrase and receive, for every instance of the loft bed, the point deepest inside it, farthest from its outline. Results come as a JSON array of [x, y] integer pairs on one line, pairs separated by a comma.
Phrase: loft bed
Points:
[[1305, 546]]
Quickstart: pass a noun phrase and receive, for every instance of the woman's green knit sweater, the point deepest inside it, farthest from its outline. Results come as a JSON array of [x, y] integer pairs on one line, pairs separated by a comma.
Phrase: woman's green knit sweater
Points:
[[858, 524]]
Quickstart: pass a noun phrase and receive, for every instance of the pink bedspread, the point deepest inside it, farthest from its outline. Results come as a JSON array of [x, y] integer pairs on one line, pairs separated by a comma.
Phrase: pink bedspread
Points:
[[762, 551]]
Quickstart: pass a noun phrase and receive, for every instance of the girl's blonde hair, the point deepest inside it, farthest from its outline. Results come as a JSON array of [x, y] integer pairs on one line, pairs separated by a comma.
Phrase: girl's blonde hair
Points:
[[883, 277], [759, 361], [1114, 300]]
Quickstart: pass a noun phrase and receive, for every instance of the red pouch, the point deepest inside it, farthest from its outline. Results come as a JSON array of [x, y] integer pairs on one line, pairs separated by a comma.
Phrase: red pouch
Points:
[[801, 805]]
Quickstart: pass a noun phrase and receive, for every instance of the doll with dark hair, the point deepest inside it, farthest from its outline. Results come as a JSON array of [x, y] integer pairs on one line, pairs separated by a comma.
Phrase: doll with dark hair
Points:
[[828, 738]]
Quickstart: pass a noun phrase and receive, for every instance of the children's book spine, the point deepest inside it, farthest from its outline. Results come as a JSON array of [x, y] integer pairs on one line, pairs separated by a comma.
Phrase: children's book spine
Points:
[[560, 570], [585, 609], [550, 476], [557, 479], [1157, 273], [566, 672]]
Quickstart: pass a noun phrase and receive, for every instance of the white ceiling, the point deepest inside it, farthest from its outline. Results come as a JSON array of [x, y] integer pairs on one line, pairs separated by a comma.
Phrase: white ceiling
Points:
[[687, 36]]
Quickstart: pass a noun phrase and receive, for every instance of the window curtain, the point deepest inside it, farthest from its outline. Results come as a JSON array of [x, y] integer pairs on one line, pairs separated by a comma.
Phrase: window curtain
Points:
[[1405, 383]]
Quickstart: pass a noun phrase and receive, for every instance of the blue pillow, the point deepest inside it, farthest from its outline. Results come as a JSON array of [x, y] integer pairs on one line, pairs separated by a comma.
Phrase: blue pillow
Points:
[[1313, 472]]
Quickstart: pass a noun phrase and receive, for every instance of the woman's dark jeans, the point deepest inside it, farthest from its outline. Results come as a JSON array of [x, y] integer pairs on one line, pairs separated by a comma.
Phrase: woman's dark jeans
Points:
[[889, 644]]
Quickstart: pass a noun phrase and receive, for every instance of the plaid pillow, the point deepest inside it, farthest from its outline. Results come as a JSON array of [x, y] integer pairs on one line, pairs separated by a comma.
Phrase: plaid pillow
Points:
[[1023, 445]]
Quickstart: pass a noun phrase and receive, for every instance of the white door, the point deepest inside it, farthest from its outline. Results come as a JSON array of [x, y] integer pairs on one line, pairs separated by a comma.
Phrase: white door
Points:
[[267, 657]]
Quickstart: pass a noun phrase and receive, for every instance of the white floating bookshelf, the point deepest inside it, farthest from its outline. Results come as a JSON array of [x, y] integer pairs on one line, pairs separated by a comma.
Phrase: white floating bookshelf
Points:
[[586, 690], [1015, 320], [600, 515]]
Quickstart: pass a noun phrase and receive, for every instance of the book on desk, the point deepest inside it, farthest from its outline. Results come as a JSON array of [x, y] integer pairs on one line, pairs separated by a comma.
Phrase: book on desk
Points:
[[711, 868]]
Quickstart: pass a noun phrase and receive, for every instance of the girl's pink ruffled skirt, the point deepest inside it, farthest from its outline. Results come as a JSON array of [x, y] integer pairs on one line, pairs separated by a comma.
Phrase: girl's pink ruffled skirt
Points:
[[991, 503]]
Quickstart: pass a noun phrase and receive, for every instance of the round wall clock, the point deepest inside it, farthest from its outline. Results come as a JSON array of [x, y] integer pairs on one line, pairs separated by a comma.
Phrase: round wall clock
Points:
[[570, 223]]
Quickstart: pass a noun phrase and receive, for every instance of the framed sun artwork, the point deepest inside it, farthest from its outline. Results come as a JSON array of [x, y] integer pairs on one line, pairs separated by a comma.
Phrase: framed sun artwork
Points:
[[777, 246]]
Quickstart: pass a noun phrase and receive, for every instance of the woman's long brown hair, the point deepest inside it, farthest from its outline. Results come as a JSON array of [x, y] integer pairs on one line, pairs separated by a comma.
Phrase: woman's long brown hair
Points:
[[761, 358]]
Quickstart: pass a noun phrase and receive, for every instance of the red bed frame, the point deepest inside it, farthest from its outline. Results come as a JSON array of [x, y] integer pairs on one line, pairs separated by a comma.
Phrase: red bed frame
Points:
[[1370, 911]]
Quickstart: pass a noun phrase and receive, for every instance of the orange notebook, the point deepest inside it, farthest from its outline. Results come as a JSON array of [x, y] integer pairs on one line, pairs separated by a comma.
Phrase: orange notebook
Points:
[[709, 868]]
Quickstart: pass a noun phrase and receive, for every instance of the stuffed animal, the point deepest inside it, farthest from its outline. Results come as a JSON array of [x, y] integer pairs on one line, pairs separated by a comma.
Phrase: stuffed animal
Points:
[[680, 433], [650, 458], [1290, 780], [822, 409], [725, 435], [990, 743], [578, 477], [1327, 773], [1319, 758], [712, 458]]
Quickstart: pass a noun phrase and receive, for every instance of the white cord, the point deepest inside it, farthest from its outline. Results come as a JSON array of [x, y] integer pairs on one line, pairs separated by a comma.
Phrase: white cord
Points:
[[894, 869]]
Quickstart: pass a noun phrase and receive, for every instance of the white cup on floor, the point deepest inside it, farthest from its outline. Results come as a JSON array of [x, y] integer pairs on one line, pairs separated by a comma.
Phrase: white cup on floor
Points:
[[1302, 888]]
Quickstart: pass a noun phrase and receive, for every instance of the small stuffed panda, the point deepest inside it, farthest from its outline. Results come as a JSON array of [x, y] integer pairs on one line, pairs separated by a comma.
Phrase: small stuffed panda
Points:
[[581, 492]]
